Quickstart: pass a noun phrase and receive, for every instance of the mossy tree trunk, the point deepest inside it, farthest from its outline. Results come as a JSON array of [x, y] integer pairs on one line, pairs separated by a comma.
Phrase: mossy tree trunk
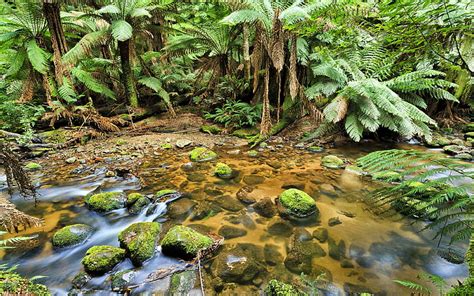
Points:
[[127, 74]]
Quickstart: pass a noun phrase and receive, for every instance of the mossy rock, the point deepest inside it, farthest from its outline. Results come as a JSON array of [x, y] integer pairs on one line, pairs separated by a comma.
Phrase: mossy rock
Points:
[[298, 203], [387, 176], [332, 162], [223, 171], [202, 154], [252, 153], [139, 239], [71, 235], [415, 208], [11, 283], [211, 129], [438, 141], [101, 259], [277, 288], [469, 135], [166, 146], [106, 201], [121, 280], [33, 166], [121, 142], [182, 283], [136, 202], [316, 149], [469, 127], [454, 149], [184, 242], [165, 193], [246, 133], [58, 136]]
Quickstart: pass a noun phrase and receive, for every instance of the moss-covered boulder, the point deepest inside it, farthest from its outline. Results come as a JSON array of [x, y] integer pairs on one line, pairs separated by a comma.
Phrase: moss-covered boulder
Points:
[[33, 166], [166, 146], [71, 235], [332, 162], [11, 283], [106, 201], [252, 153], [101, 259], [246, 133], [437, 141], [454, 149], [165, 193], [136, 202], [387, 176], [211, 129], [223, 171], [277, 288], [315, 149], [469, 127], [139, 239], [297, 203], [202, 154], [469, 135], [184, 242]]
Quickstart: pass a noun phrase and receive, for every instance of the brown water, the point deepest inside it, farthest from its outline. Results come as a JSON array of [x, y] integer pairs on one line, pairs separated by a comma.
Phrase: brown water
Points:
[[380, 248]]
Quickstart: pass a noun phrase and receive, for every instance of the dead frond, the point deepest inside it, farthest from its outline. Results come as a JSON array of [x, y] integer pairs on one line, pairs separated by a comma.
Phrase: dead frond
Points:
[[13, 220]]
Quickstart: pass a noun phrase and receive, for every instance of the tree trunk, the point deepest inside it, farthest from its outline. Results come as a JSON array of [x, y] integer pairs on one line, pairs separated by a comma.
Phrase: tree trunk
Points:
[[246, 51], [127, 75], [51, 11], [266, 123]]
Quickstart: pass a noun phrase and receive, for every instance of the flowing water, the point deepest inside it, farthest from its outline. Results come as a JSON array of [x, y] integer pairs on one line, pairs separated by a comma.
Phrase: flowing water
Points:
[[379, 248]]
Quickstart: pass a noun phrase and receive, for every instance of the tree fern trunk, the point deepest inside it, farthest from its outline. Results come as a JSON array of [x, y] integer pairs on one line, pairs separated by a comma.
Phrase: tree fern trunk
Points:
[[246, 51], [127, 75], [266, 123]]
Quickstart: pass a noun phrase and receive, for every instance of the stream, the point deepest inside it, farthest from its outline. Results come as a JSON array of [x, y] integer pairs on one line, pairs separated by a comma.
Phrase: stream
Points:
[[376, 248]]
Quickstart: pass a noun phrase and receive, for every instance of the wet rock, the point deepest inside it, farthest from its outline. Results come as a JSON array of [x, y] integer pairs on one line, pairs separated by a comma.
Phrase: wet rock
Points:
[[241, 219], [454, 149], [196, 177], [181, 143], [71, 160], [347, 264], [274, 164], [299, 146], [277, 288], [71, 235], [301, 234], [266, 208], [322, 272], [229, 203], [387, 176], [166, 194], [297, 203], [365, 261], [253, 180], [464, 156], [272, 255], [105, 202], [332, 162], [336, 251], [252, 153], [184, 242], [189, 166], [280, 227], [469, 127], [202, 154], [353, 289], [121, 280], [211, 129], [136, 202], [229, 232], [301, 253], [139, 239], [234, 152], [321, 234], [451, 255], [238, 265], [80, 280], [182, 283], [356, 251], [204, 210], [437, 141], [101, 259], [315, 149], [223, 171], [180, 209], [33, 166], [296, 185], [166, 146], [243, 195], [328, 190], [334, 221]]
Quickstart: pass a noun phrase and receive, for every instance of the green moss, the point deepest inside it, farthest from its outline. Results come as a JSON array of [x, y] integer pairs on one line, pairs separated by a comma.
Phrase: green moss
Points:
[[121, 142], [388, 176], [277, 288], [415, 207], [438, 140], [222, 170], [469, 127], [11, 283], [211, 129], [101, 259], [133, 197], [120, 280], [182, 283], [33, 166], [298, 202], [106, 201], [165, 192], [332, 162], [71, 235], [166, 146], [354, 169], [58, 136], [245, 133], [469, 135], [139, 239], [252, 153], [202, 154], [315, 149], [184, 242]]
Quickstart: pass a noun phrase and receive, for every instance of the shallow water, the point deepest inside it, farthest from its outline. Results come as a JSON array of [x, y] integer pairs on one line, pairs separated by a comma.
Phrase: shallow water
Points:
[[380, 248]]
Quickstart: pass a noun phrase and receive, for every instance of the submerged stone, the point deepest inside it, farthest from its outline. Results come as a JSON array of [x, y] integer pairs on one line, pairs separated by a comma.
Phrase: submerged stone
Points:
[[180, 209], [301, 253], [229, 232], [321, 234], [80, 280], [332, 162], [202, 154], [121, 280], [265, 207], [243, 195], [139, 239], [71, 235], [106, 201], [298, 203], [277, 288], [182, 283], [280, 227], [272, 255], [223, 171], [184, 242], [229, 203], [101, 259], [253, 180]]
